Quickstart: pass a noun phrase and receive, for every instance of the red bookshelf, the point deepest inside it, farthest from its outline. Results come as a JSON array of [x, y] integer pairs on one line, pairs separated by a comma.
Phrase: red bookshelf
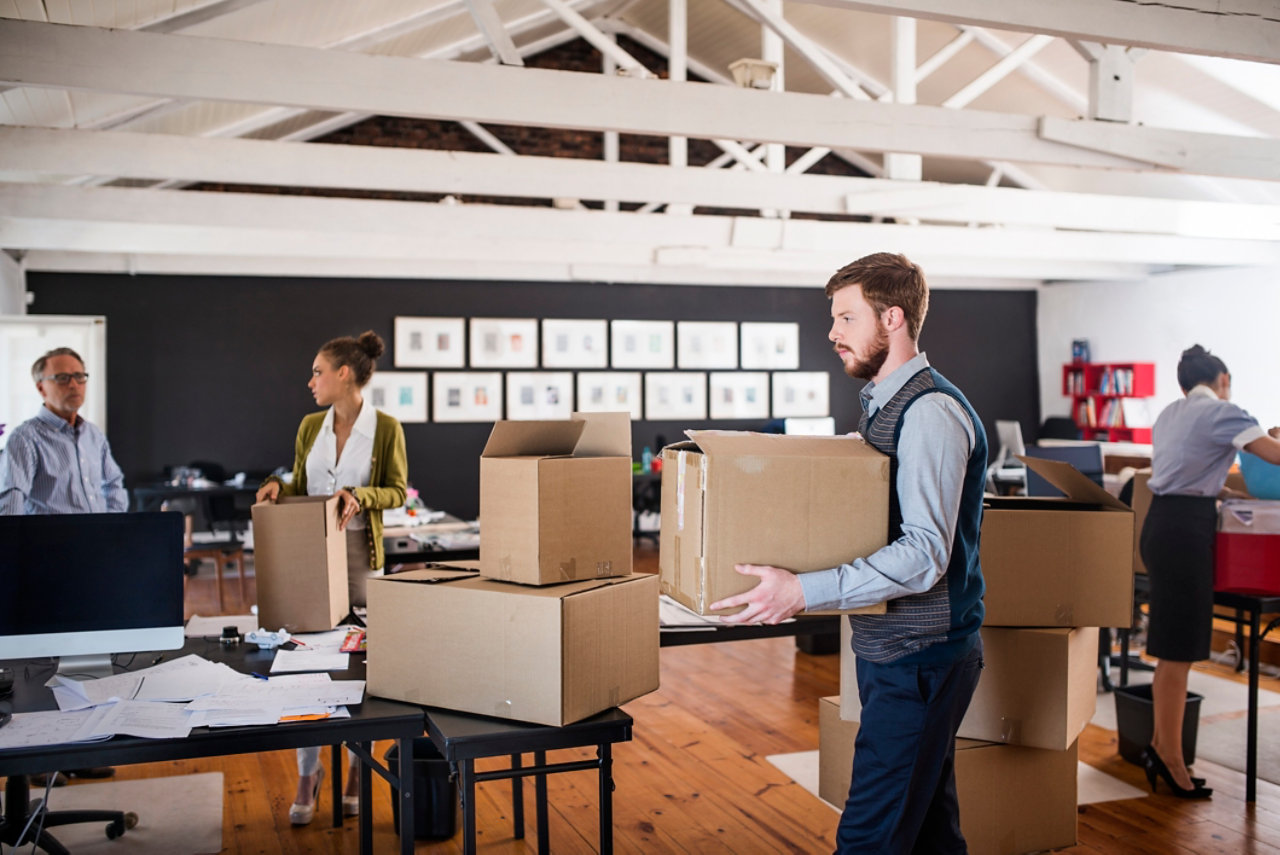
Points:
[[1097, 391]]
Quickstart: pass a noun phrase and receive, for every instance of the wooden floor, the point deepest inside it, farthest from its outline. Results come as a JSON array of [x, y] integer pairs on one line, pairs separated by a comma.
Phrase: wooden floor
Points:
[[695, 778]]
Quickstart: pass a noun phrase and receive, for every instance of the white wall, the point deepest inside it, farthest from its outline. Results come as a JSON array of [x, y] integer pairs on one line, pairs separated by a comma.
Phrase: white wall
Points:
[[1233, 312], [13, 286]]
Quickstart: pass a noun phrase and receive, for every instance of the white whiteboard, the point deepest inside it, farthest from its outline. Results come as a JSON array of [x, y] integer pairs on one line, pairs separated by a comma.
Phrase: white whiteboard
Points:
[[25, 338]]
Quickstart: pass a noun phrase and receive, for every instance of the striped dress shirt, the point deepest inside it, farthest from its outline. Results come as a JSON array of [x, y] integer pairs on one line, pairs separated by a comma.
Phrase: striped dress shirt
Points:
[[51, 467]]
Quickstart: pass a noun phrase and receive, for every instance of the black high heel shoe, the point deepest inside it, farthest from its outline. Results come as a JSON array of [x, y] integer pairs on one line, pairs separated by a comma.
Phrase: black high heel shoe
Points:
[[1155, 767]]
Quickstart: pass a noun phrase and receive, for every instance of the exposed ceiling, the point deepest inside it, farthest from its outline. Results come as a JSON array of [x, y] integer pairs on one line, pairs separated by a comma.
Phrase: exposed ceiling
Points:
[[1007, 142]]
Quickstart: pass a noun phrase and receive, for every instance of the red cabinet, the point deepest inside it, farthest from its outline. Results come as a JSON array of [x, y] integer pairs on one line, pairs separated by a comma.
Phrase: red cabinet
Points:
[[1098, 392]]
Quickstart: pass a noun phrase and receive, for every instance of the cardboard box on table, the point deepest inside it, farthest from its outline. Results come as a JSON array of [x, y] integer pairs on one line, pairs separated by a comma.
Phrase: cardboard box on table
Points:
[[555, 499], [447, 637], [300, 564], [800, 502], [1012, 799], [1058, 562]]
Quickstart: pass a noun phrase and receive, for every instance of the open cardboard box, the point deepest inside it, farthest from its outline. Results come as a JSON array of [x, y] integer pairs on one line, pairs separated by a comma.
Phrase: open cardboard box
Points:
[[300, 564], [555, 654], [800, 502], [1058, 562], [555, 499]]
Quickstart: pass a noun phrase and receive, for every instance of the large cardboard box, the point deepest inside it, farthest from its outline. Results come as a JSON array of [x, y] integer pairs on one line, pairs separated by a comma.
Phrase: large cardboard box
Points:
[[1012, 800], [800, 502], [555, 499], [300, 563], [1058, 562], [550, 655], [1038, 689]]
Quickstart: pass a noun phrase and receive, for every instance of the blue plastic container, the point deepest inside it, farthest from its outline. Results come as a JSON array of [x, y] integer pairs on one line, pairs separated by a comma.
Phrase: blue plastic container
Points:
[[1262, 478]]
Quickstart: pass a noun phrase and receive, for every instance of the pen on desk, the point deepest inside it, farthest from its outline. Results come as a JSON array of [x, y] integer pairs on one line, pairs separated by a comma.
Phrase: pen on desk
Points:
[[259, 676], [157, 659]]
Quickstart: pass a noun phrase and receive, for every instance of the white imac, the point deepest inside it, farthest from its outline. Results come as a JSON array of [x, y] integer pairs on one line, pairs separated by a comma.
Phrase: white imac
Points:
[[1009, 433], [82, 587]]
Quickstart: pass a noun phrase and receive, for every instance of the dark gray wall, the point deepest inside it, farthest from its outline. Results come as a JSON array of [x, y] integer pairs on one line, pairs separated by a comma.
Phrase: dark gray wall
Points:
[[213, 368]]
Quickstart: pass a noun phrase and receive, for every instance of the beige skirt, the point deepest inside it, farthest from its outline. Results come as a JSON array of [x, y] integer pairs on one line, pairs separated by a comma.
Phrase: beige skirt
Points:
[[358, 572]]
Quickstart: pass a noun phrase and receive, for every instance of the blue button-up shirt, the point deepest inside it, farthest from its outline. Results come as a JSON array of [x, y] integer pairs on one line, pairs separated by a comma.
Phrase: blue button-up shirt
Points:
[[51, 467], [933, 450]]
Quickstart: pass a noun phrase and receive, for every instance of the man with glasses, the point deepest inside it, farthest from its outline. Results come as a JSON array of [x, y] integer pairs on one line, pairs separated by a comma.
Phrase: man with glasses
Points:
[[56, 462]]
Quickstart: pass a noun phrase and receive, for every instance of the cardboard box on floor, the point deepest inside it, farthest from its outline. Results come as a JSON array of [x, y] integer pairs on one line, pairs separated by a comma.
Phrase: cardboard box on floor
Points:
[[1038, 687], [800, 502], [300, 564], [555, 499], [447, 637], [1058, 562], [1012, 799]]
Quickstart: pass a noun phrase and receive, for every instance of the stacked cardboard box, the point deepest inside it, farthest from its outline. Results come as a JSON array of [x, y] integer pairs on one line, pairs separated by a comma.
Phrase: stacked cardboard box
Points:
[[550, 626], [1055, 571]]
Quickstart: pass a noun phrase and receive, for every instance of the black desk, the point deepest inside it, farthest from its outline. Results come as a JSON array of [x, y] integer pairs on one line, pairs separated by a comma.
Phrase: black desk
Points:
[[371, 720], [463, 739], [1255, 606]]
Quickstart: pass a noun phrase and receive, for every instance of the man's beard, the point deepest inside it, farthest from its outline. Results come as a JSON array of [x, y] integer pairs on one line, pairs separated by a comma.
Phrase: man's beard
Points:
[[865, 369]]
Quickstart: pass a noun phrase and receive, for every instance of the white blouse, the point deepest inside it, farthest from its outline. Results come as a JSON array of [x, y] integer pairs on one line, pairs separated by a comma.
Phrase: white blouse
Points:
[[326, 474]]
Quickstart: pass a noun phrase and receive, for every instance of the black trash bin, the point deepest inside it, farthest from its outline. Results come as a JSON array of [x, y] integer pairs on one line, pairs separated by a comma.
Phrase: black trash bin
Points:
[[435, 794], [1134, 722]]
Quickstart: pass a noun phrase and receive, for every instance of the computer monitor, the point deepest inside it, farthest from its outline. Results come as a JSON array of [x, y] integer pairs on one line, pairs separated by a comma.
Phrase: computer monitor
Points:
[[1011, 447], [82, 587], [1085, 457]]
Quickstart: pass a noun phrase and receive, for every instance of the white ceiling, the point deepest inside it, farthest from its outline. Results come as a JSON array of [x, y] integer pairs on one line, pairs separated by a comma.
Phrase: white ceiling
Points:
[[1027, 172]]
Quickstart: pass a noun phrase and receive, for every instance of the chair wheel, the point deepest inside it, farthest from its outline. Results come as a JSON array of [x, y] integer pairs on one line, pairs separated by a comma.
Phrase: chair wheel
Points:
[[130, 819]]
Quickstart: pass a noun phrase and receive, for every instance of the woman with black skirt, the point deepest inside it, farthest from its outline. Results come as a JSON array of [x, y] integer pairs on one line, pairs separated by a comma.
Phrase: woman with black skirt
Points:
[[1194, 443]]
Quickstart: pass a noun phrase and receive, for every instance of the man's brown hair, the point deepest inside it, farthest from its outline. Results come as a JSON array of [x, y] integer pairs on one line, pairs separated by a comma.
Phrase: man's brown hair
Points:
[[887, 279]]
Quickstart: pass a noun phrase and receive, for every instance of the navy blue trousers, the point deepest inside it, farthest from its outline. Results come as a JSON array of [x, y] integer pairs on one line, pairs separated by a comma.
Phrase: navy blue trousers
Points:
[[903, 795]]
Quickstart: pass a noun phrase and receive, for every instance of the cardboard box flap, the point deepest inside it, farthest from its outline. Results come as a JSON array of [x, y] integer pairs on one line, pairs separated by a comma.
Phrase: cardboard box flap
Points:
[[533, 438], [714, 442], [435, 573], [1073, 482], [605, 435]]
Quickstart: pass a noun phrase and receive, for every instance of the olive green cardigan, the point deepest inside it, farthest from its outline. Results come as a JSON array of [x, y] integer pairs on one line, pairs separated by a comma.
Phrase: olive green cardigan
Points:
[[388, 475]]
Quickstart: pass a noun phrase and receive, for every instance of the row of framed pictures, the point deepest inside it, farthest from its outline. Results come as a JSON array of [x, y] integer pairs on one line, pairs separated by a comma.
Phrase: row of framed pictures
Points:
[[479, 396], [571, 343]]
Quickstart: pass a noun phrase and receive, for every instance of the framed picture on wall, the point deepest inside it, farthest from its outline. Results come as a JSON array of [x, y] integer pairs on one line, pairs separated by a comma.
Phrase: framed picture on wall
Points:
[[402, 394], [504, 343], [574, 344], [539, 395], [801, 393], [642, 344], [823, 426], [429, 343], [740, 395], [770, 345], [707, 344], [610, 392], [672, 395], [467, 396]]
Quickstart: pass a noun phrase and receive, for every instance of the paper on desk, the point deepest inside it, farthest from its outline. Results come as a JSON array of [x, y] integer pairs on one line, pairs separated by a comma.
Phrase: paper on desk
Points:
[[237, 718], [147, 719], [301, 660], [183, 678], [32, 730], [322, 642], [201, 627], [268, 693]]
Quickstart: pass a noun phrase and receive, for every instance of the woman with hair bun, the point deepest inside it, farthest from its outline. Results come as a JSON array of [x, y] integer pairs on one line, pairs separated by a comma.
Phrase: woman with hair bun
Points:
[[356, 453], [1194, 442]]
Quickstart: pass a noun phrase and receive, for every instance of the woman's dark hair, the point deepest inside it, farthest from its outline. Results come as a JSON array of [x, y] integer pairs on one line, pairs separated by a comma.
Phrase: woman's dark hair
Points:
[[358, 353], [1197, 366]]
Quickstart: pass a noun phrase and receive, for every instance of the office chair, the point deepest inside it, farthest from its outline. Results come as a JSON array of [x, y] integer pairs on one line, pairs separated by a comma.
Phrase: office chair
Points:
[[17, 827], [218, 510], [1059, 427]]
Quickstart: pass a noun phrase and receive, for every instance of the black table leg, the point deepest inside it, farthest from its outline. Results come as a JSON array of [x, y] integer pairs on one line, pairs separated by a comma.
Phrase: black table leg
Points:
[[1239, 640], [335, 786], [517, 799], [407, 796], [540, 803], [1123, 633], [1251, 764], [366, 794], [467, 792], [605, 753]]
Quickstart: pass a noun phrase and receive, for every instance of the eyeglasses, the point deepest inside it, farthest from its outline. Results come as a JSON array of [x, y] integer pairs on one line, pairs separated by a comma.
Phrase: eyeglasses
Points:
[[64, 379]]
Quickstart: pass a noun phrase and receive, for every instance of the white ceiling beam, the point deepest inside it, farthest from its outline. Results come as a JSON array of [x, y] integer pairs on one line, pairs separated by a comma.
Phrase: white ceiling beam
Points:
[[1112, 75], [143, 222], [902, 82], [943, 55], [1047, 82], [1002, 69], [803, 45], [1242, 29], [597, 39], [495, 33]]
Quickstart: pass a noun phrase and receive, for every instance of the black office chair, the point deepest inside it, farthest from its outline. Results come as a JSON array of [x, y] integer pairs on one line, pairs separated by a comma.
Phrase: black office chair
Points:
[[1059, 427], [16, 827]]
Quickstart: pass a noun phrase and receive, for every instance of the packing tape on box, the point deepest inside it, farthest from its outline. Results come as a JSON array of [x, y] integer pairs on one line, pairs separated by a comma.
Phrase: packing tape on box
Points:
[[615, 696], [1010, 730], [568, 570], [1064, 614], [682, 465], [504, 567], [502, 709]]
